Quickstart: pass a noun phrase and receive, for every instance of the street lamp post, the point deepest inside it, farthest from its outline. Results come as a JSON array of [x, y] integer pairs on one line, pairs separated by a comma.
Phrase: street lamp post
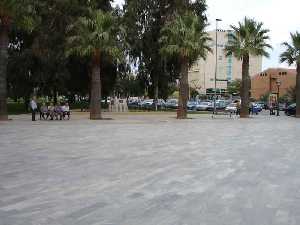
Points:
[[278, 83], [216, 66]]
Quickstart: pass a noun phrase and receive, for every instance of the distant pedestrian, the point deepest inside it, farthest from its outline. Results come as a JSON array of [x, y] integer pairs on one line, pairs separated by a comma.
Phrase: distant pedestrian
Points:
[[238, 108], [251, 108], [33, 106], [272, 109]]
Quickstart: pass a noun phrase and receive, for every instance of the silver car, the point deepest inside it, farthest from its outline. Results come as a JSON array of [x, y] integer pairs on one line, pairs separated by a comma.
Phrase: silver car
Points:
[[204, 106]]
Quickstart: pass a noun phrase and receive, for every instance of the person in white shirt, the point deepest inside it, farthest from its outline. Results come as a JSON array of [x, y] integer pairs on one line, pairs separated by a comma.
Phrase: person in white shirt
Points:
[[51, 111], [66, 110], [33, 106]]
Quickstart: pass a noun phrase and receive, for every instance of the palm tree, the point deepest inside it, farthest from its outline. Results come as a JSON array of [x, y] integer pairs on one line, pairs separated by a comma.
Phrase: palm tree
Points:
[[291, 56], [184, 38], [92, 37], [248, 38], [11, 11]]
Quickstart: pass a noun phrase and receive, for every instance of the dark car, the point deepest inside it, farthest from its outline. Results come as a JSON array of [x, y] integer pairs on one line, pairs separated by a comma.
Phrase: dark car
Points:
[[291, 110], [133, 104], [255, 108], [263, 105]]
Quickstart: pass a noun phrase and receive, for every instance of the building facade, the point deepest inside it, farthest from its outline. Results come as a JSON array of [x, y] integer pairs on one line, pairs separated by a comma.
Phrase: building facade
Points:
[[265, 82], [202, 73]]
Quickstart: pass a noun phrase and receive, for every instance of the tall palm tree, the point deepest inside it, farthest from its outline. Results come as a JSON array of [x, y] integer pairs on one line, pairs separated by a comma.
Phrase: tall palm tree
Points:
[[184, 37], [17, 12], [248, 38], [92, 37], [292, 56]]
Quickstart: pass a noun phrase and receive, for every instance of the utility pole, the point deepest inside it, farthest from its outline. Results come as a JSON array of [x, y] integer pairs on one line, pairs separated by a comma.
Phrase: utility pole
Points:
[[216, 66]]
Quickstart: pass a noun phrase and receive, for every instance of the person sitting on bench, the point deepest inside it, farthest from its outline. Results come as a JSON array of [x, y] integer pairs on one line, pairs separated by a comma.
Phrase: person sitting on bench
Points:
[[43, 111], [51, 112], [58, 112], [66, 110]]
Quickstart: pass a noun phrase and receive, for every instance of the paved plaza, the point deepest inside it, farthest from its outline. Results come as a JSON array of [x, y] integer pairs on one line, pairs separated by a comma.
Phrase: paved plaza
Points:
[[140, 169]]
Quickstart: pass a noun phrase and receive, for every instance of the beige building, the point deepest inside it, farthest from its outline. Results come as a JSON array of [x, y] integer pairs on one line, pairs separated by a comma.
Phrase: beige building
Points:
[[202, 73]]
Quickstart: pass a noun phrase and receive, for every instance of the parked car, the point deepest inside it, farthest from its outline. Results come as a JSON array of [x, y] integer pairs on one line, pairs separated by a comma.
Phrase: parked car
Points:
[[172, 104], [291, 110], [161, 104], [150, 104], [257, 108], [282, 106], [107, 100], [192, 105], [204, 106], [263, 105], [147, 104], [133, 104], [231, 108], [220, 105]]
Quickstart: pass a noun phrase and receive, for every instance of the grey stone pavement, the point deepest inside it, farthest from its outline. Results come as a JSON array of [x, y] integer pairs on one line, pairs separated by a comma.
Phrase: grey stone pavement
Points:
[[150, 170]]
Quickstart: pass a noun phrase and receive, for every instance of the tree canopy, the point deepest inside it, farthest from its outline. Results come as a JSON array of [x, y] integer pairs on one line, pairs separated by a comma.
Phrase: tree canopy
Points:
[[42, 37]]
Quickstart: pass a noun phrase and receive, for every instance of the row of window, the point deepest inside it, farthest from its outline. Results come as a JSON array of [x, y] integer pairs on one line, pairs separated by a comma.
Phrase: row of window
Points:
[[282, 73], [265, 74]]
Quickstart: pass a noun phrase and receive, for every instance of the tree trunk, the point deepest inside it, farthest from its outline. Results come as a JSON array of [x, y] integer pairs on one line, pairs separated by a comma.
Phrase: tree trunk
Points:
[[183, 90], [95, 99], [3, 76], [245, 88], [298, 91]]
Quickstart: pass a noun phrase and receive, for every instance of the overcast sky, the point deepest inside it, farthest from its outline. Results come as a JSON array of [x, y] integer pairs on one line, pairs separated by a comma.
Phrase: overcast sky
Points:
[[281, 17]]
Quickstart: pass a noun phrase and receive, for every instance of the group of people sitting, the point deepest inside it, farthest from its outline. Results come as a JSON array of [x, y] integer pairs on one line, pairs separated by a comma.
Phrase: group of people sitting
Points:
[[57, 112]]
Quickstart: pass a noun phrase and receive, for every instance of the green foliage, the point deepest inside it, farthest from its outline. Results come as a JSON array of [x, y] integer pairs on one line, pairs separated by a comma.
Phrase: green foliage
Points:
[[128, 85], [94, 35], [234, 87], [248, 38], [185, 37], [16, 108], [20, 13], [143, 21], [265, 97], [292, 52], [193, 92], [291, 94], [53, 42]]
